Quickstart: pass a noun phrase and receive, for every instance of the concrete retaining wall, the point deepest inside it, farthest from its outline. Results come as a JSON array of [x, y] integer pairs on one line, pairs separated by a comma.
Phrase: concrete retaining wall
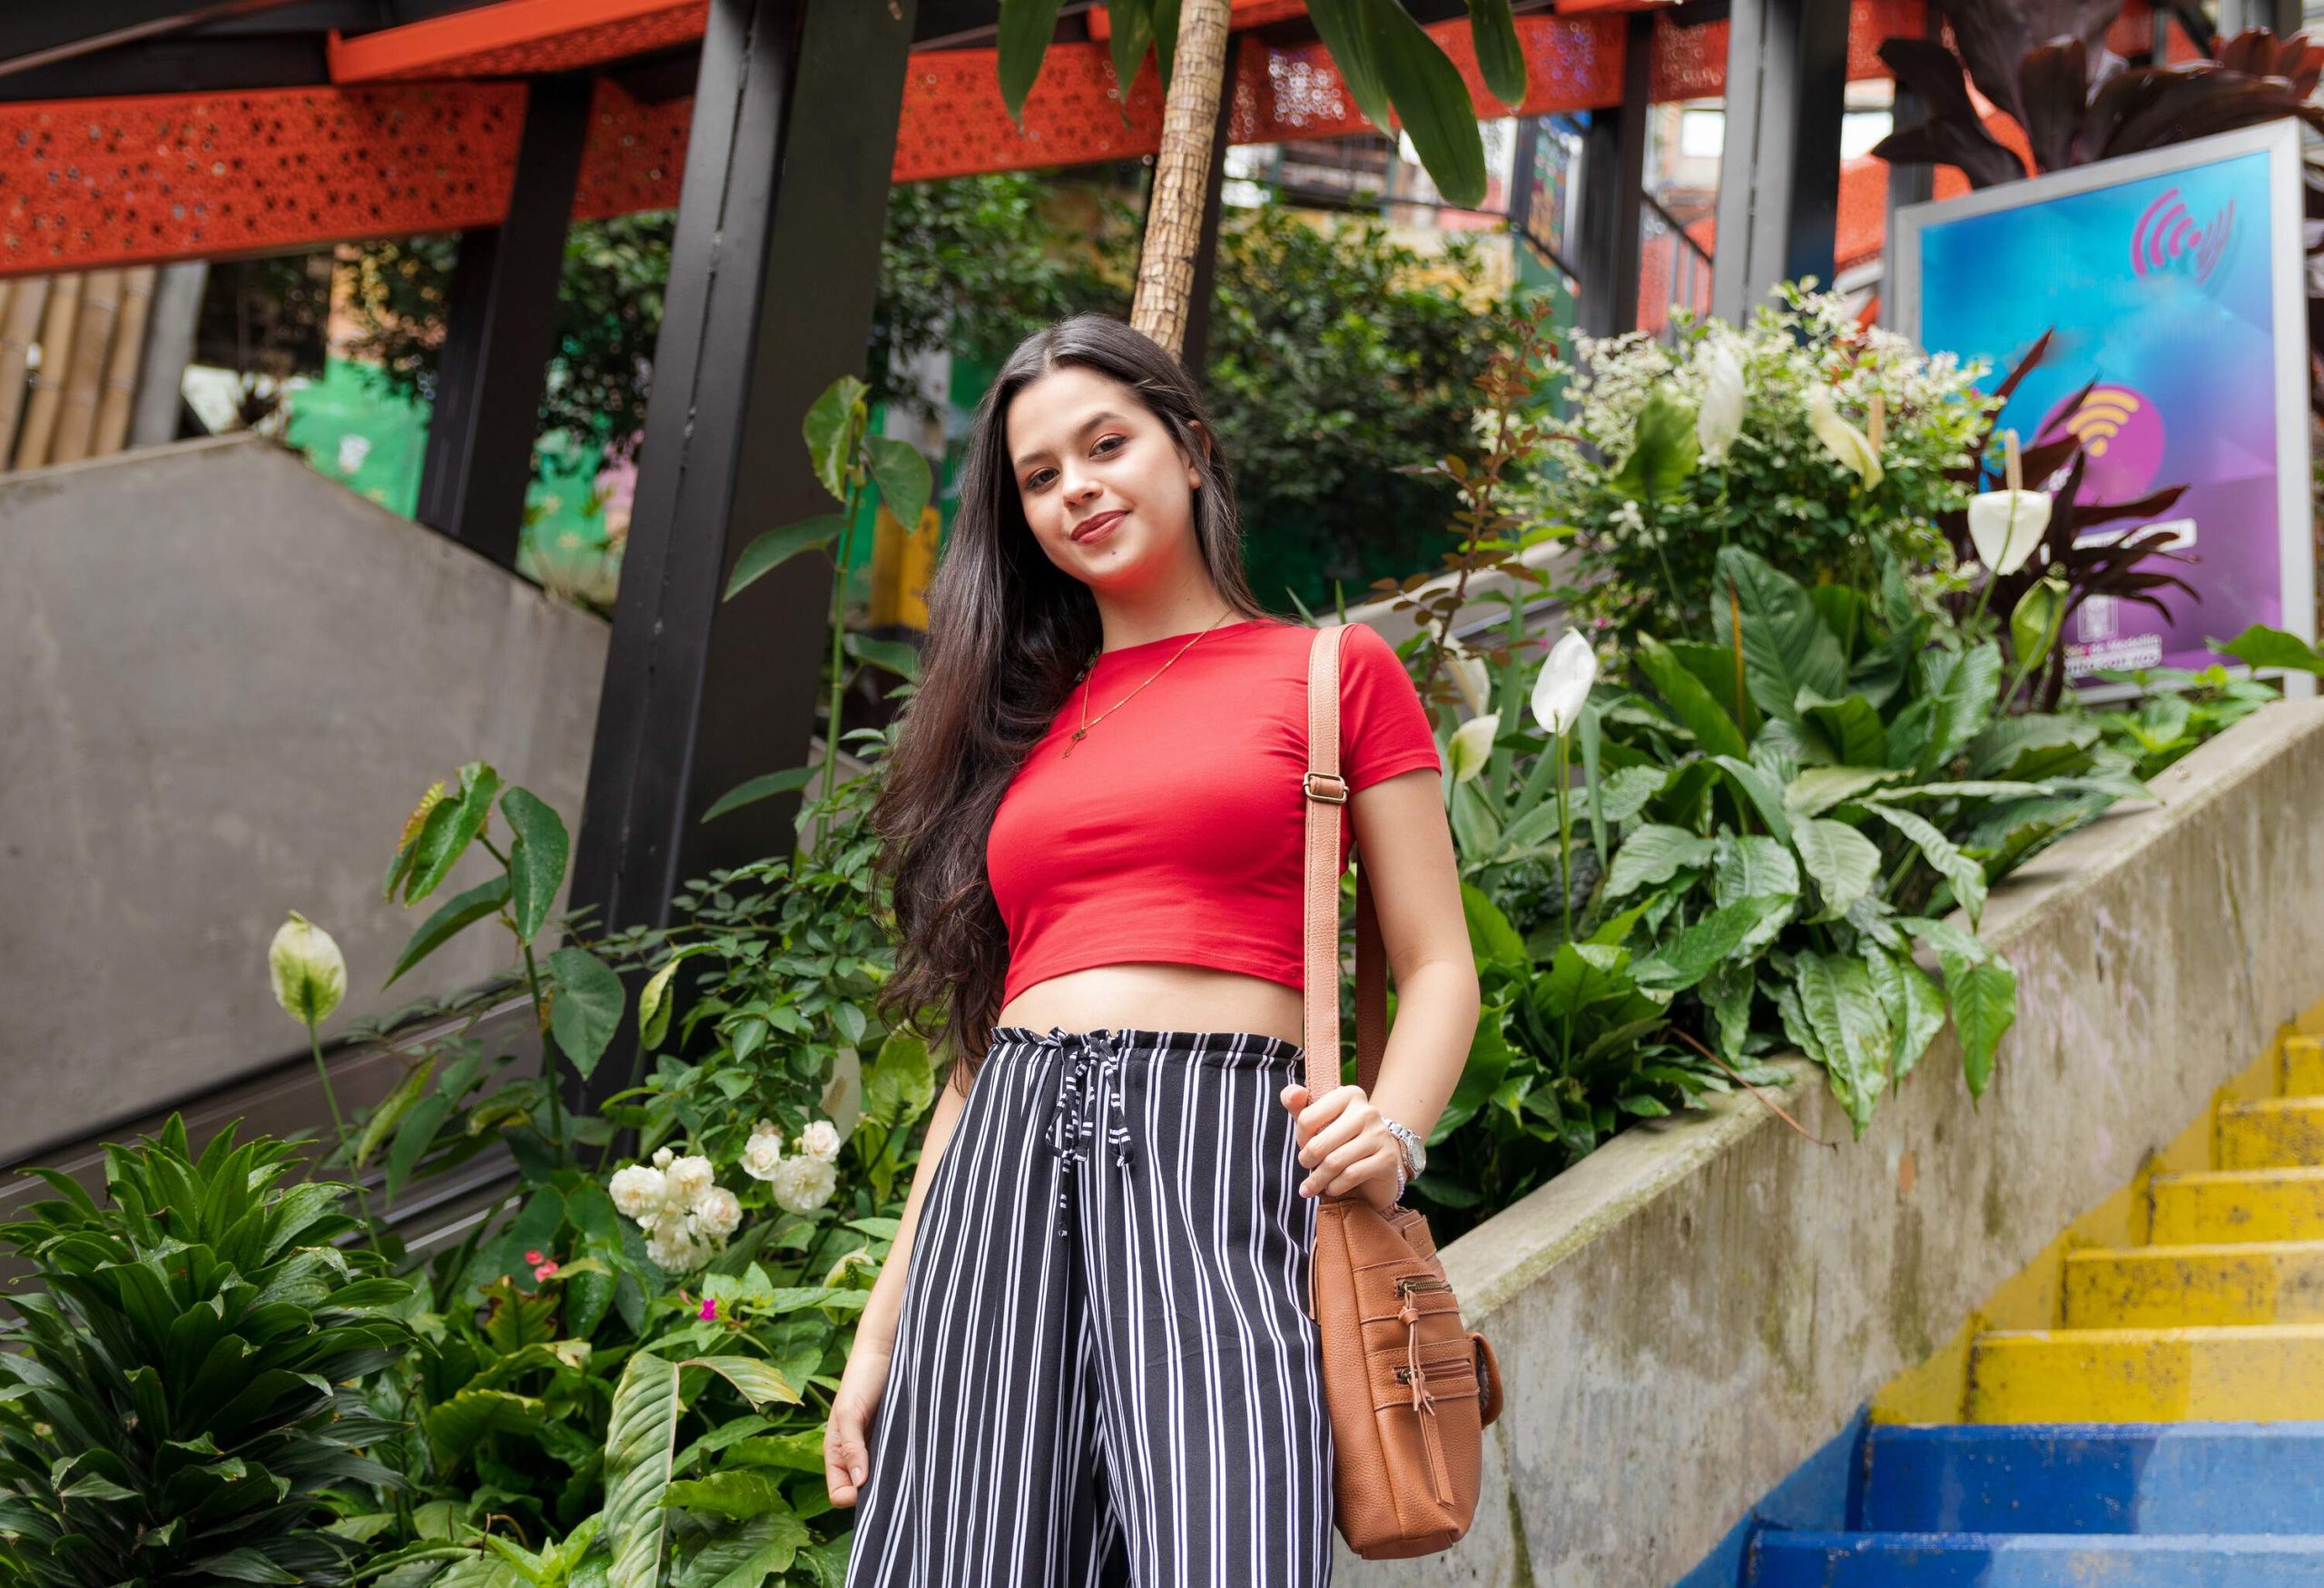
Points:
[[228, 679], [1690, 1313]]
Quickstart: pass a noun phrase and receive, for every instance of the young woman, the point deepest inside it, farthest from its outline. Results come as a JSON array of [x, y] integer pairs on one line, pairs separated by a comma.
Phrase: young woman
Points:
[[1089, 1358]]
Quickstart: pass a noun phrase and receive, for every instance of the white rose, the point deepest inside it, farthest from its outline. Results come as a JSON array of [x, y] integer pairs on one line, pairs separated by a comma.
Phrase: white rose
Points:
[[820, 1140], [670, 1243], [689, 1178], [662, 1156], [804, 1184], [638, 1192], [761, 1153], [718, 1214]]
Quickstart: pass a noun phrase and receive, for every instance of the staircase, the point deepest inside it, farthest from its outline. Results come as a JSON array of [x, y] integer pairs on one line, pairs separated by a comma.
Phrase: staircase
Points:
[[2169, 1435]]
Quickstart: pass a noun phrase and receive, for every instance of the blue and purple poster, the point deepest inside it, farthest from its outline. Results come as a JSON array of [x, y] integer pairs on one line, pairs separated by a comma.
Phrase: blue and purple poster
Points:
[[2173, 279]]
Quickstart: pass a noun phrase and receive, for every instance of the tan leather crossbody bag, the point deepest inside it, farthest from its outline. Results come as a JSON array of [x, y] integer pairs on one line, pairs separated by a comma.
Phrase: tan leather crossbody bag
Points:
[[1411, 1389]]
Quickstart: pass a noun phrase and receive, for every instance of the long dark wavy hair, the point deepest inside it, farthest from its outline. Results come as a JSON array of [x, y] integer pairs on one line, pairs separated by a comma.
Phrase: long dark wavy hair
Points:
[[1008, 633]]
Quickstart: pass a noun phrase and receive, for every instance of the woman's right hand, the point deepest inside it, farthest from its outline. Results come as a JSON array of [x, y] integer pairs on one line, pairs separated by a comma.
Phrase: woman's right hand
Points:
[[847, 1437]]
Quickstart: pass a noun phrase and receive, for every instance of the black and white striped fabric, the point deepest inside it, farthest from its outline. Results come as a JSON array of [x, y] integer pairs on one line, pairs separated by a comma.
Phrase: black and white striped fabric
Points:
[[1104, 1369]]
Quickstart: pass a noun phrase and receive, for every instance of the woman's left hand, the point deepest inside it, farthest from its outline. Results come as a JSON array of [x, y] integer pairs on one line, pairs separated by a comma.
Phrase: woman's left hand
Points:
[[1343, 1143]]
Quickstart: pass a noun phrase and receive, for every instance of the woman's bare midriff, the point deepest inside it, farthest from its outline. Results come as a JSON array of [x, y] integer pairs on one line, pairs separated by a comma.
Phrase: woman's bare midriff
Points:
[[1153, 995]]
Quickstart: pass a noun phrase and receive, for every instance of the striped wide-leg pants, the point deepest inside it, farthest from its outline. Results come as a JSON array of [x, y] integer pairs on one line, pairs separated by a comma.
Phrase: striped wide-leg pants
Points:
[[1105, 1371]]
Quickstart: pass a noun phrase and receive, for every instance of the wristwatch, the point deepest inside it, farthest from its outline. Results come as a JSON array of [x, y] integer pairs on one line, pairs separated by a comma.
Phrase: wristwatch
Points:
[[1414, 1152]]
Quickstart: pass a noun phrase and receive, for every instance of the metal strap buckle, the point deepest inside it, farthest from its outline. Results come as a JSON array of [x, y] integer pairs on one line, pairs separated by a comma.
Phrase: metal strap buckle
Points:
[[1307, 786]]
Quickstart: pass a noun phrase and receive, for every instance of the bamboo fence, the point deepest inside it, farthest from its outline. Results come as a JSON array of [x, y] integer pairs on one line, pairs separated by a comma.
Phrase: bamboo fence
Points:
[[71, 348]]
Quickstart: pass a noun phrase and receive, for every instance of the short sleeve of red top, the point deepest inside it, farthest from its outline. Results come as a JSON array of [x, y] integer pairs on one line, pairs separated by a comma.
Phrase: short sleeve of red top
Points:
[[1176, 830]]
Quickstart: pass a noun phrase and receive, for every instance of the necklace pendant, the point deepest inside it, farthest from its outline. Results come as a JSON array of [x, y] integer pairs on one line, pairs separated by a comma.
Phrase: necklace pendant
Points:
[[1075, 740]]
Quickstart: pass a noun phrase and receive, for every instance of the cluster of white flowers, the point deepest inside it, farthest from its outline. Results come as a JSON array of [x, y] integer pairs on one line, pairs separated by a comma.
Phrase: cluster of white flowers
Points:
[[686, 1215], [803, 1180]]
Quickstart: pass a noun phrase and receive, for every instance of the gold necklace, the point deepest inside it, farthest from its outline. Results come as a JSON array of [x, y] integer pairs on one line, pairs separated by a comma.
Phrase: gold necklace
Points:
[[1087, 725]]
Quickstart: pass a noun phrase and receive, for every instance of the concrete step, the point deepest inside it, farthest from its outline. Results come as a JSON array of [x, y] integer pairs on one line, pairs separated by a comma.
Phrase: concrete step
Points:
[[2033, 1560], [2272, 1133], [2095, 1477], [2231, 1205], [2221, 1283], [2265, 1373], [2303, 1067]]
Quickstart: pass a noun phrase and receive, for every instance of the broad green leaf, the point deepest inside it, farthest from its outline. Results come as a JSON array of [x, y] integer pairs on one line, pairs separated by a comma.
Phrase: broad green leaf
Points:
[[776, 546], [535, 860], [1133, 34], [654, 1004], [587, 1007], [456, 1426], [1654, 854], [1583, 974], [898, 656], [1689, 702], [2032, 746], [1345, 28], [1966, 875], [1839, 1002], [1486, 1066], [449, 829], [1625, 793], [1727, 994], [1984, 1006], [1915, 1008], [2261, 646], [1750, 866], [1849, 730], [1817, 789], [1764, 793], [1843, 861], [1960, 692], [392, 1108], [1787, 646], [413, 1138], [1432, 101], [837, 416], [1664, 449], [641, 1449], [1688, 958], [900, 1084], [479, 904], [1968, 789], [1492, 31], [1496, 942], [1721, 672], [758, 788], [902, 474]]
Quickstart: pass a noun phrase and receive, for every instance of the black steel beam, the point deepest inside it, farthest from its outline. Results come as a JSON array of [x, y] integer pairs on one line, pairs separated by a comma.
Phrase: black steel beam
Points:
[[1613, 190], [1779, 175], [179, 64], [500, 328], [37, 35], [1196, 355], [774, 271]]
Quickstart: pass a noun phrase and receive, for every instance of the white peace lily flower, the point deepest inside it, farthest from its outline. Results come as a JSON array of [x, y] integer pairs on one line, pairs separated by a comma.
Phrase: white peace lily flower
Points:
[[1473, 745], [1719, 418], [763, 1151], [309, 973], [638, 1192], [1842, 439], [1563, 688], [1470, 677], [690, 1179], [820, 1140], [718, 1214], [803, 1183], [2005, 526]]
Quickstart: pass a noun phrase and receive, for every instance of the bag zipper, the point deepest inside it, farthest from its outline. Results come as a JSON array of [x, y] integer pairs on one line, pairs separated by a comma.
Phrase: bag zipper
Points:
[[1411, 1282]]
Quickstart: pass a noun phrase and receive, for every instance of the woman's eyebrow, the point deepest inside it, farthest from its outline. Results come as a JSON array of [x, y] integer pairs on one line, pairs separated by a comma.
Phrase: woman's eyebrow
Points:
[[1087, 425]]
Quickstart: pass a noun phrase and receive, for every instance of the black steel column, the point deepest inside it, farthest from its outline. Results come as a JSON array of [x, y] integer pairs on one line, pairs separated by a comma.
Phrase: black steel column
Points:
[[1196, 355], [1613, 190], [499, 331], [774, 273], [1779, 176]]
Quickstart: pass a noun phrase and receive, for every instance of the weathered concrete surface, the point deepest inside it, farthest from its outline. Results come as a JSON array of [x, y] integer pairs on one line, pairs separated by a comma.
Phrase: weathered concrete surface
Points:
[[1689, 1314], [227, 680]]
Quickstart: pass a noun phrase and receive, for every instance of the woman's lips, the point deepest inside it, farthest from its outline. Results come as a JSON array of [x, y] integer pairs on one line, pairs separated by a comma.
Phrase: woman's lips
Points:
[[1097, 529]]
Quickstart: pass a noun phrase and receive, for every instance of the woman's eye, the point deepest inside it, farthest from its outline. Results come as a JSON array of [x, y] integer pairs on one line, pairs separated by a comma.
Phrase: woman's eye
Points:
[[1042, 479]]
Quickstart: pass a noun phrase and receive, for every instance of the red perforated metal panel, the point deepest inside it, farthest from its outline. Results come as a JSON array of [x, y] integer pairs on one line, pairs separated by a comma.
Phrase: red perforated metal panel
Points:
[[517, 38]]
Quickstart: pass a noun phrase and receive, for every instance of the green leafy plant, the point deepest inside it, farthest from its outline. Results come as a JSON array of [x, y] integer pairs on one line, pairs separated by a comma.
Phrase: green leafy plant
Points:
[[177, 1409]]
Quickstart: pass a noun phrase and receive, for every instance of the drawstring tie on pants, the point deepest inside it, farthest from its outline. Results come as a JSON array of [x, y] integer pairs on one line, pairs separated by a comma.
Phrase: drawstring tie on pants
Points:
[[1068, 1124]]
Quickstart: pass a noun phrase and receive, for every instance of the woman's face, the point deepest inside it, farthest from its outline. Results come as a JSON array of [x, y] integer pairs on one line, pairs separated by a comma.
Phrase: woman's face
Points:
[[1081, 447]]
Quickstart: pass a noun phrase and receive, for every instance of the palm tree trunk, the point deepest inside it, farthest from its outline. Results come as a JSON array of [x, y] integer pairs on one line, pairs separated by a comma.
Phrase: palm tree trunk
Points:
[[1166, 269]]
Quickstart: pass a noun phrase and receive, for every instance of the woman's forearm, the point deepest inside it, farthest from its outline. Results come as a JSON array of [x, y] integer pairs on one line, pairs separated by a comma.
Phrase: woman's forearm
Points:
[[885, 1307], [1428, 1045]]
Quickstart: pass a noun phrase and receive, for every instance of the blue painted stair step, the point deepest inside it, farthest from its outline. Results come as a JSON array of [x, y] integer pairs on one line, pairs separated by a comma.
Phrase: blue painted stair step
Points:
[[2068, 1505]]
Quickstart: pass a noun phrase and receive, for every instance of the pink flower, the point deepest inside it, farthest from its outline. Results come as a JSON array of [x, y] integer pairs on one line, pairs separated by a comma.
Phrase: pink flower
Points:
[[710, 1311], [532, 1256], [546, 1270]]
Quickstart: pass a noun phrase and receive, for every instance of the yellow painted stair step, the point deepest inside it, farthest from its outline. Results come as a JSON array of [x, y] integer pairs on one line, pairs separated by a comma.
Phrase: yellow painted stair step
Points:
[[2265, 1373], [2272, 1133], [2303, 1067], [2234, 1204], [2222, 1283]]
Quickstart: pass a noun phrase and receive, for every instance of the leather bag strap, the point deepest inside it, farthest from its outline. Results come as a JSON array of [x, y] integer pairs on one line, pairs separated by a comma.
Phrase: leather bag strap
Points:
[[1325, 794]]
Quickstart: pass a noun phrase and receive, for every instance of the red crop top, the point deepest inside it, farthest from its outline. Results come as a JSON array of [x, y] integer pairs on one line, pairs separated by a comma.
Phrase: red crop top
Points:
[[1175, 830]]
